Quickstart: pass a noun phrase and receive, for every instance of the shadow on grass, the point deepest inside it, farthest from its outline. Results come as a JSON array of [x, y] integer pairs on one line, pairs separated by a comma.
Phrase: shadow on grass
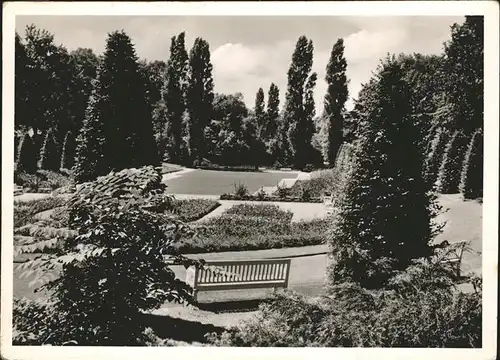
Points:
[[167, 327], [230, 306]]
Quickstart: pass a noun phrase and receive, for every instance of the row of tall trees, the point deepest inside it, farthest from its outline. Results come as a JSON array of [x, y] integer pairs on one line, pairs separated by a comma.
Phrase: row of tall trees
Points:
[[445, 95], [418, 120], [175, 103], [52, 87], [92, 113]]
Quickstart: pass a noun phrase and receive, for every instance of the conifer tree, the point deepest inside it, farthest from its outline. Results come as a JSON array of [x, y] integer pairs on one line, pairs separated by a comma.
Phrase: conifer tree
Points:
[[385, 215], [26, 154], [471, 180], [92, 152], [68, 151], [200, 98], [49, 155], [335, 99], [174, 97], [434, 155], [451, 165], [259, 111], [295, 118], [464, 74], [118, 131]]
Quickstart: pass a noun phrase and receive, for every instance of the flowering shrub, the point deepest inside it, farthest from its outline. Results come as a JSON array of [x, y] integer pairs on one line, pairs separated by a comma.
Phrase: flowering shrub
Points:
[[109, 263]]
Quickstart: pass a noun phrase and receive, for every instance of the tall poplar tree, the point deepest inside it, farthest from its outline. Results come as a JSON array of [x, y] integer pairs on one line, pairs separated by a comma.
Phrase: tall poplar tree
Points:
[[200, 96], [175, 98], [259, 110], [335, 99], [295, 115]]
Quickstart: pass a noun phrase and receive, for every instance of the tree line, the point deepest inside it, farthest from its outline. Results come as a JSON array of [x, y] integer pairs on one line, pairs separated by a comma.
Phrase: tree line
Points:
[[76, 110]]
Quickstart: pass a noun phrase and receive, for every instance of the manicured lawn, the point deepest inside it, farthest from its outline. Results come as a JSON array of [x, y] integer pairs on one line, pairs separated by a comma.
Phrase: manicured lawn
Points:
[[211, 182]]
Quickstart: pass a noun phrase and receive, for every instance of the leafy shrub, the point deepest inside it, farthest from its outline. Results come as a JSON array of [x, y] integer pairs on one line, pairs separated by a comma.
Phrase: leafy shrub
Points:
[[306, 194], [111, 262], [26, 154], [435, 154], [308, 168], [316, 186], [240, 190], [33, 321], [49, 156], [53, 180], [194, 209], [25, 179], [283, 191], [351, 316], [273, 198], [261, 194], [273, 212], [201, 163]]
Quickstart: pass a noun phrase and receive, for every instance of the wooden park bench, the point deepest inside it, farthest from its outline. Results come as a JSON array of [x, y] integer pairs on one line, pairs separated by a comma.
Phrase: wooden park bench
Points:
[[18, 190], [239, 274], [453, 256]]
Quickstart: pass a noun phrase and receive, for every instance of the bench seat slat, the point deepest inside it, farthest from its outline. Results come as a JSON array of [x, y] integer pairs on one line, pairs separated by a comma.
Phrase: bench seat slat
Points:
[[241, 285]]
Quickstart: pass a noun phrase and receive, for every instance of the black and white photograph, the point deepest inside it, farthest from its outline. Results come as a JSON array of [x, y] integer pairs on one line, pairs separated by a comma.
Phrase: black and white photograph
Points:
[[210, 175]]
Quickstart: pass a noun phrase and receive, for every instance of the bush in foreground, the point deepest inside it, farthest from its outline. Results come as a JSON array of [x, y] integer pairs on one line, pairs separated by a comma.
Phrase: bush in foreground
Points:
[[109, 264], [421, 315]]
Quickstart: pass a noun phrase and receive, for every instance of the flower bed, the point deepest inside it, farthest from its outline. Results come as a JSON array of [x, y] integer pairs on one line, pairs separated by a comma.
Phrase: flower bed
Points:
[[194, 209], [263, 211], [254, 227], [273, 198], [25, 210]]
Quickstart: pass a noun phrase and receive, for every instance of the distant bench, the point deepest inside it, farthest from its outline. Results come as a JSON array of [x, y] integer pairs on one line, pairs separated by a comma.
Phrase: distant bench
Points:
[[18, 190], [453, 256], [239, 274]]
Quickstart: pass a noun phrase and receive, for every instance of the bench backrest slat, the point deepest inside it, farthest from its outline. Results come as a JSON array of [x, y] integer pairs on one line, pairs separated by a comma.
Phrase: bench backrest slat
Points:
[[232, 273]]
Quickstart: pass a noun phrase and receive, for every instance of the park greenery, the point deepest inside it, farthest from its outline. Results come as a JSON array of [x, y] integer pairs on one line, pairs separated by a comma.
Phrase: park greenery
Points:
[[108, 121]]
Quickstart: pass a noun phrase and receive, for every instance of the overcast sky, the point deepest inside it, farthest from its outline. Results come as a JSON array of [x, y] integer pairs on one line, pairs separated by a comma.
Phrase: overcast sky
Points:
[[251, 52]]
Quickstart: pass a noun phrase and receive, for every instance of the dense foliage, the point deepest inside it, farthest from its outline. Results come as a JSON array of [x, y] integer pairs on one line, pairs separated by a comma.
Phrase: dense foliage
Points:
[[471, 180], [335, 99], [117, 131], [108, 266], [452, 164], [386, 195], [422, 315], [200, 96]]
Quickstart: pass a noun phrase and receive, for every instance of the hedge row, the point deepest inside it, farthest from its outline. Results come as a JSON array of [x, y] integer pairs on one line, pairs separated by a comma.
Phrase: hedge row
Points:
[[272, 198]]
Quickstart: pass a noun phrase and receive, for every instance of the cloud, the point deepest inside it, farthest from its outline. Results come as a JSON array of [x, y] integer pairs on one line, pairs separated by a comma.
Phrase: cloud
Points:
[[251, 52]]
